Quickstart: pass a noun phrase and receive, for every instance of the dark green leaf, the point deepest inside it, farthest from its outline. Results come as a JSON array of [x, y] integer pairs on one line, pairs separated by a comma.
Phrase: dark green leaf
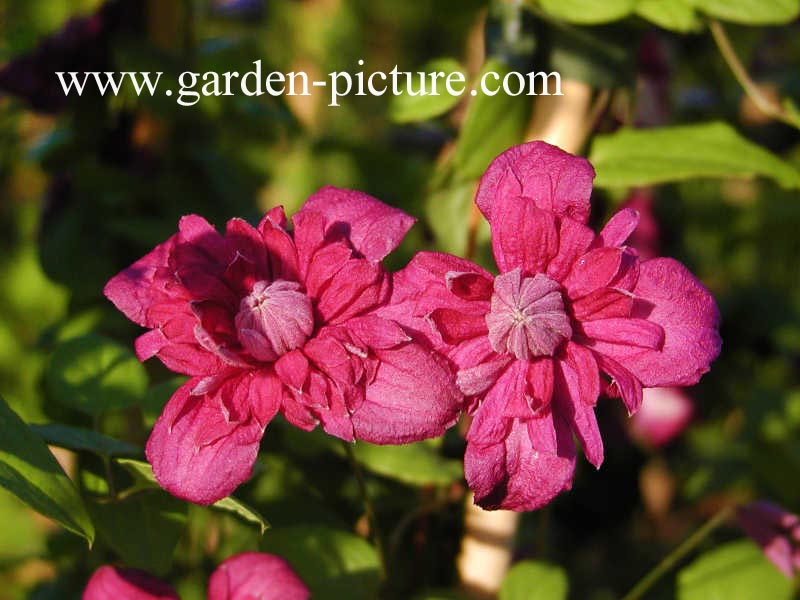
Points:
[[76, 438], [334, 564], [530, 580], [751, 12], [143, 529], [30, 472], [94, 374], [406, 108], [638, 157], [241, 510], [734, 571]]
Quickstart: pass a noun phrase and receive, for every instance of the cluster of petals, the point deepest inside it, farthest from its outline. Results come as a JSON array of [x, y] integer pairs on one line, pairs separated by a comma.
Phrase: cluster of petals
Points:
[[273, 319], [571, 315], [242, 577], [777, 531]]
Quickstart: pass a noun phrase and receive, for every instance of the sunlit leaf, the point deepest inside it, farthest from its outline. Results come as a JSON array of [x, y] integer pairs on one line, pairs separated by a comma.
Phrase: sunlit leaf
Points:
[[676, 15], [416, 464], [241, 510], [751, 12], [589, 12], [530, 580], [407, 108]]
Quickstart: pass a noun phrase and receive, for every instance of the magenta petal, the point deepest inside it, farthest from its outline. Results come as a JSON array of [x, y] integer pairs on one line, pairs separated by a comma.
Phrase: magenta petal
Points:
[[573, 387], [377, 333], [413, 397], [629, 332], [623, 384], [476, 380], [574, 240], [604, 303], [469, 286], [455, 326], [374, 228], [523, 236], [126, 584], [202, 447], [530, 467], [619, 228], [252, 575], [669, 295], [555, 180]]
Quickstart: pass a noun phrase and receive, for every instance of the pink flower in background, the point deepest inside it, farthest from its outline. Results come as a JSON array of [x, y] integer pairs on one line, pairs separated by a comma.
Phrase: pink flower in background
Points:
[[246, 576], [267, 321], [256, 575], [663, 416], [777, 531], [571, 315], [126, 584]]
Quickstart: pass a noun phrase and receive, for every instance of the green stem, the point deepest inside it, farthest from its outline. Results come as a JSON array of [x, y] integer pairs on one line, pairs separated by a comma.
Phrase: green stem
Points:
[[679, 554], [369, 509], [750, 88]]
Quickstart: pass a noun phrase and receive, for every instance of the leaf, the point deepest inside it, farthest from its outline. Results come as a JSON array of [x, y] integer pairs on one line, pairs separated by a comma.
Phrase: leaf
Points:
[[638, 157], [94, 375], [335, 564], [492, 124], [29, 471], [143, 474], [588, 12], [143, 529], [531, 580], [243, 511], [415, 464], [76, 438], [405, 108], [751, 12], [734, 571], [676, 15]]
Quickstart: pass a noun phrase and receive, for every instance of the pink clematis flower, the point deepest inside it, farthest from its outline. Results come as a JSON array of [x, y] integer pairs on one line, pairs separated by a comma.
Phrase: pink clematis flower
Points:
[[572, 314], [126, 584], [265, 320], [256, 575], [663, 416], [777, 531]]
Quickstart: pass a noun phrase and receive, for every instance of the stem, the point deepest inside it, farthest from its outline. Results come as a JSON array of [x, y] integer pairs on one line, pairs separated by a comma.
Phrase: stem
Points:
[[679, 553], [369, 509], [743, 77]]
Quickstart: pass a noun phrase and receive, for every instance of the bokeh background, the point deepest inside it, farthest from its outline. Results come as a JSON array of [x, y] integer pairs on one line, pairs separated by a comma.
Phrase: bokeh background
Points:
[[89, 185]]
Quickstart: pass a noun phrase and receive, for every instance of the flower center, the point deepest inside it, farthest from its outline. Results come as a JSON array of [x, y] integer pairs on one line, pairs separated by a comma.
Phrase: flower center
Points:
[[527, 316], [273, 319]]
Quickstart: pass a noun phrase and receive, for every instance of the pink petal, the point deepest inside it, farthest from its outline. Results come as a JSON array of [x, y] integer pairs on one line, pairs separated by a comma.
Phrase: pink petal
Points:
[[599, 268], [356, 287], [476, 380], [126, 584], [469, 286], [281, 252], [202, 447], [455, 326], [373, 228], [574, 240], [603, 303], [412, 397], [576, 393], [253, 575], [619, 228], [523, 236], [555, 180], [669, 295], [664, 414], [624, 384], [640, 333], [375, 332]]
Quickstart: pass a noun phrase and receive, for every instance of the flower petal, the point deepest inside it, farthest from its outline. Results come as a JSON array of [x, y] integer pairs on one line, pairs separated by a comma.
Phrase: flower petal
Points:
[[555, 180], [373, 228], [256, 575], [202, 447], [619, 228], [577, 388], [523, 236], [126, 584]]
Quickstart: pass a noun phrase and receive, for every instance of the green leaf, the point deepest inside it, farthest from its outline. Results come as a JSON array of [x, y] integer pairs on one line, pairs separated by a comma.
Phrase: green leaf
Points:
[[94, 374], [492, 124], [406, 108], [143, 474], [335, 564], [589, 12], [676, 15], [142, 529], [734, 571], [29, 471], [243, 511], [76, 438], [638, 157], [416, 464], [751, 12], [531, 580]]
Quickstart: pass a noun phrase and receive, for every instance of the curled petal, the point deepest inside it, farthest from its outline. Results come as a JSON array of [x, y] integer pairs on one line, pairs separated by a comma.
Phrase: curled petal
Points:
[[577, 387], [619, 228], [203, 446], [554, 180], [253, 575], [126, 584], [373, 228]]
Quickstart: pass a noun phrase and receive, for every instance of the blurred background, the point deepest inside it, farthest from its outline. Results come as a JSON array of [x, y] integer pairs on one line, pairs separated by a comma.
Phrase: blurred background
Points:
[[651, 96]]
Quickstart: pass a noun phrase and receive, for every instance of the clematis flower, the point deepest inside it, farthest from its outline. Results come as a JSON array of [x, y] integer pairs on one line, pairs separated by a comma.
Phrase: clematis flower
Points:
[[663, 416], [256, 575], [126, 584], [571, 315], [265, 320], [777, 531]]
